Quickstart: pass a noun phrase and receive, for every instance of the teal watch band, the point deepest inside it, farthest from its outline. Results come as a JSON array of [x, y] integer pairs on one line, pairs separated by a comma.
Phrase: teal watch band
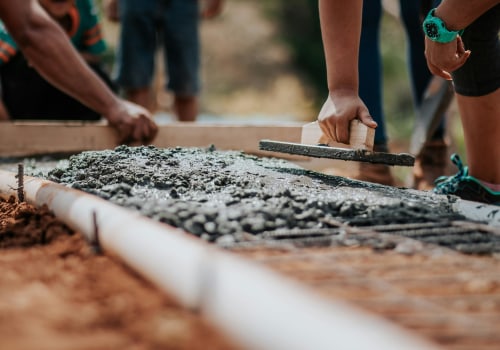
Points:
[[435, 29]]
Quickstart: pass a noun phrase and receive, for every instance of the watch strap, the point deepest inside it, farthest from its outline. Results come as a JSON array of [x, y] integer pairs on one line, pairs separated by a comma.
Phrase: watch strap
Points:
[[435, 29]]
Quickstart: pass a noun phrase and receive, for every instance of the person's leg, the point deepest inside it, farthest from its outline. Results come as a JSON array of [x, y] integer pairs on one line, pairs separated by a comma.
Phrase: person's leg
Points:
[[420, 76], [370, 67], [478, 96], [136, 51], [477, 87], [186, 108], [431, 163], [141, 96], [182, 55], [370, 89], [481, 124]]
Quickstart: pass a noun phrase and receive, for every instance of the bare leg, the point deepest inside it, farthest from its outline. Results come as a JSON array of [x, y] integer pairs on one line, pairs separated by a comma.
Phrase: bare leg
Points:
[[186, 108], [481, 124], [141, 96]]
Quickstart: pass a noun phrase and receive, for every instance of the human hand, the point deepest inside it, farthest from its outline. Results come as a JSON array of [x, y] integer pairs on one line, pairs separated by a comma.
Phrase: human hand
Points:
[[442, 59], [133, 123], [337, 112], [211, 8], [111, 10]]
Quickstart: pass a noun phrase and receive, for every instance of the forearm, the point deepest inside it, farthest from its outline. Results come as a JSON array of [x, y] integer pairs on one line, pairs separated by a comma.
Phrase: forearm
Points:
[[49, 51], [458, 14], [341, 28]]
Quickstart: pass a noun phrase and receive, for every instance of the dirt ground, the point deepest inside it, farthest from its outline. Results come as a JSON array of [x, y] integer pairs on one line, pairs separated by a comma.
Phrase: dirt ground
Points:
[[56, 293]]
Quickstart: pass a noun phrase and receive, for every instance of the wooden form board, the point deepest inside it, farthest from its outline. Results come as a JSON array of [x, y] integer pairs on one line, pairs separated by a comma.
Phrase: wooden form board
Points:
[[18, 139]]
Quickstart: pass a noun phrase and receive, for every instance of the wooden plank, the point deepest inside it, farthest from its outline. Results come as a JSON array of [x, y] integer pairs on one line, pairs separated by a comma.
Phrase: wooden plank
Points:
[[18, 139], [360, 136]]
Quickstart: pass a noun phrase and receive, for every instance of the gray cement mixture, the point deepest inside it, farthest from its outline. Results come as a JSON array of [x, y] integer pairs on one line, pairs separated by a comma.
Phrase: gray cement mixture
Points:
[[225, 196]]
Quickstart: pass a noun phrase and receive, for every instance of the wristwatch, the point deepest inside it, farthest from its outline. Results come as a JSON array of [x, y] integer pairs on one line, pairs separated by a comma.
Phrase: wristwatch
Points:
[[435, 29]]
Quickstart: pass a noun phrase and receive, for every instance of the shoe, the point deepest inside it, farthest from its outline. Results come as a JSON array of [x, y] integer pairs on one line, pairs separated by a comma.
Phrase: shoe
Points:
[[377, 173], [465, 186], [429, 165]]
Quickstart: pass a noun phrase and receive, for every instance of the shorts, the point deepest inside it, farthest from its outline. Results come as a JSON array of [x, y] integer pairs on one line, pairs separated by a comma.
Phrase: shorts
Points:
[[480, 75], [147, 25], [27, 95]]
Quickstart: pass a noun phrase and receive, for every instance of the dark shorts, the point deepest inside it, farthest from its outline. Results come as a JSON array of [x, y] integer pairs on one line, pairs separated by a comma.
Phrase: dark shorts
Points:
[[148, 24], [480, 75], [27, 95]]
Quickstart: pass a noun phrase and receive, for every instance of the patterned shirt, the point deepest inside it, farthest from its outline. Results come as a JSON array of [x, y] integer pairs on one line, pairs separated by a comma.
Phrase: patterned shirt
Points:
[[85, 32]]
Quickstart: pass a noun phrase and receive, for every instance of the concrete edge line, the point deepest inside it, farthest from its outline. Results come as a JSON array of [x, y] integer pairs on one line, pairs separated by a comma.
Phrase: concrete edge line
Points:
[[479, 212], [256, 307]]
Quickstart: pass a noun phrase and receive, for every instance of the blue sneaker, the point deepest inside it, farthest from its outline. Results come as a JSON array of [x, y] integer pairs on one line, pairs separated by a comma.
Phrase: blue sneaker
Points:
[[465, 186]]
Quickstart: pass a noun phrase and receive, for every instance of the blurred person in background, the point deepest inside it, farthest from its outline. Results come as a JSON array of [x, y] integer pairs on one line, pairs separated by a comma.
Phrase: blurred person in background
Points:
[[147, 25], [47, 48], [26, 94]]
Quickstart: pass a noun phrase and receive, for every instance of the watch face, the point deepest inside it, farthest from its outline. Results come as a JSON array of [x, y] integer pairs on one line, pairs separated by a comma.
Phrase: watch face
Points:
[[431, 30]]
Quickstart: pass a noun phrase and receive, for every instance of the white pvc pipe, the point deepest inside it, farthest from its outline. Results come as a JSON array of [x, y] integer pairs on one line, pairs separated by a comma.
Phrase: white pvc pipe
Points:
[[256, 307]]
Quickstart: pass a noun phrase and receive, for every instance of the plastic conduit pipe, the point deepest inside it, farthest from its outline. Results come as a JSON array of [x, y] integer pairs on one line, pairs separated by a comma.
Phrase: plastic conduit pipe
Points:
[[256, 307]]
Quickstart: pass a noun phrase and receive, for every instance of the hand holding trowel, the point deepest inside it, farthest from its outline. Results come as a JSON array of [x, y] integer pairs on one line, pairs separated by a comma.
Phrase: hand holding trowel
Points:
[[314, 143]]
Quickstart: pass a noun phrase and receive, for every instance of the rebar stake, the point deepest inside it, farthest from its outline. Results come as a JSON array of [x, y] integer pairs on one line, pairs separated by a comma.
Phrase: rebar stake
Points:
[[95, 243], [20, 182]]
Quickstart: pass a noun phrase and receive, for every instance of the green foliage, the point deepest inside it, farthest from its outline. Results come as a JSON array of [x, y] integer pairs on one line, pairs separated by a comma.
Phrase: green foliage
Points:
[[300, 29]]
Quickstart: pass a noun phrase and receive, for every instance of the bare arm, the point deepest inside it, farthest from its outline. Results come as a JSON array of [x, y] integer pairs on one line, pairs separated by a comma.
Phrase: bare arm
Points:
[[458, 14], [48, 49], [341, 30]]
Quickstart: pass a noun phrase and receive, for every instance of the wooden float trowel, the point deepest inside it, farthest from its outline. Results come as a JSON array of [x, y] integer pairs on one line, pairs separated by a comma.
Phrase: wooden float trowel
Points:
[[360, 148]]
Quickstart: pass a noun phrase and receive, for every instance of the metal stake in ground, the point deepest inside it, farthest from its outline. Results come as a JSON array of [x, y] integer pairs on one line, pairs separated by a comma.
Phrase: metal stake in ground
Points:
[[20, 182], [95, 244]]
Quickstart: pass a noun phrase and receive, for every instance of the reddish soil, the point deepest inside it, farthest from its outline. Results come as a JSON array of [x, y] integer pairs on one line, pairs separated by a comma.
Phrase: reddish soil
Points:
[[55, 293]]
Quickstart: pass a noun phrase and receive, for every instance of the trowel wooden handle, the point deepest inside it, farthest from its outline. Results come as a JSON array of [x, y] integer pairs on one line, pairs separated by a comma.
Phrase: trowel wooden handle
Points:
[[360, 136]]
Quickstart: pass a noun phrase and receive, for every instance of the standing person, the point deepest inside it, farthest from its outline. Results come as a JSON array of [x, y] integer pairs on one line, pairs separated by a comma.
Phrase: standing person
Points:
[[48, 49], [172, 24], [476, 82], [431, 163], [27, 95]]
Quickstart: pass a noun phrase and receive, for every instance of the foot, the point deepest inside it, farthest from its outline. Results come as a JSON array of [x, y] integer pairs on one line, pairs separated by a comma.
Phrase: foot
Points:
[[377, 173], [429, 165], [465, 186]]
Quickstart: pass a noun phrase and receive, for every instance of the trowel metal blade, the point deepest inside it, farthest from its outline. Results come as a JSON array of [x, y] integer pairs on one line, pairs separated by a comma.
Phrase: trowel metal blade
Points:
[[402, 159]]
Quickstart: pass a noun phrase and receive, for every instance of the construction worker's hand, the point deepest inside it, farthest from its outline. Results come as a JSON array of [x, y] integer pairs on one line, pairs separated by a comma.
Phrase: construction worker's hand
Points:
[[211, 8], [133, 123], [111, 10], [337, 112], [442, 59]]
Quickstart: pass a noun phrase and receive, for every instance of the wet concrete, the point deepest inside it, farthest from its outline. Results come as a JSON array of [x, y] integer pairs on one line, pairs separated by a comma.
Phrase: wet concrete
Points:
[[227, 196]]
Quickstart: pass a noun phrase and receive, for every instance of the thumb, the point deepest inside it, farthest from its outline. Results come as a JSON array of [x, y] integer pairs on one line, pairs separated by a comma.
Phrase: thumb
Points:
[[366, 118]]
